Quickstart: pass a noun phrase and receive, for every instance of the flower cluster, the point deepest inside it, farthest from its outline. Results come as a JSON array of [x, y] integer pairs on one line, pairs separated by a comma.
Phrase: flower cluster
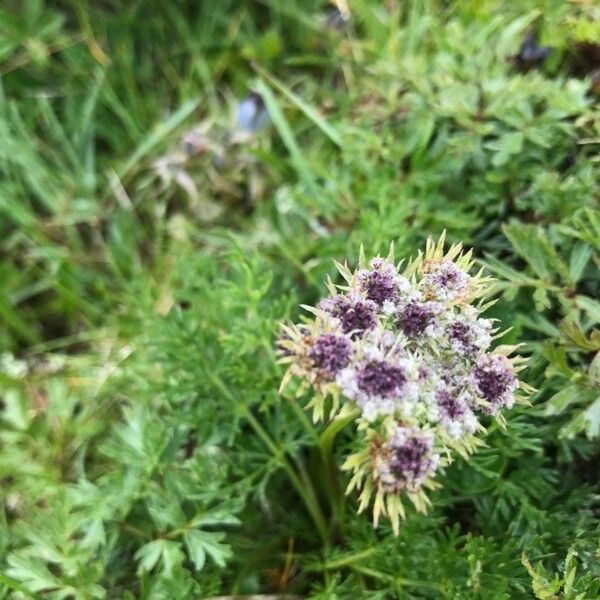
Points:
[[407, 353]]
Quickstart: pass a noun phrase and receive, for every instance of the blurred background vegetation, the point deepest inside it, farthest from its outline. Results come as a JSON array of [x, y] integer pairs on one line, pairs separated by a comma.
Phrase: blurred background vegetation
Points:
[[176, 177]]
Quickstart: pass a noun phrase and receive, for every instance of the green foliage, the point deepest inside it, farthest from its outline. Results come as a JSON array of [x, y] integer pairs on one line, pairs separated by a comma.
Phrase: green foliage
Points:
[[144, 449], [570, 585], [562, 276]]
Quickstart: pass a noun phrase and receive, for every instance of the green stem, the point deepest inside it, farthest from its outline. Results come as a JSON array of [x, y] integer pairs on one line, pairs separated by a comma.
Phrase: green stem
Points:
[[400, 581], [328, 435], [15, 585], [304, 421], [303, 488], [328, 480], [347, 560], [334, 488]]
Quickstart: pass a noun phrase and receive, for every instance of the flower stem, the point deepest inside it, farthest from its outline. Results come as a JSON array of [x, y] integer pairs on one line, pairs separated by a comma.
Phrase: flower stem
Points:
[[326, 440], [326, 474], [398, 581], [348, 560], [302, 486], [304, 421]]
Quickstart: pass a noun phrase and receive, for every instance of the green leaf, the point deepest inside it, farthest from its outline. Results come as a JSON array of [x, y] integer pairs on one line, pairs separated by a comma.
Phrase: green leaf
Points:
[[279, 121], [533, 246], [167, 550], [308, 110], [195, 549], [543, 588], [33, 573], [505, 147], [499, 268], [580, 255], [590, 306], [172, 556], [217, 516], [592, 419], [200, 543], [594, 370], [569, 395], [148, 555], [574, 336], [13, 584], [541, 298]]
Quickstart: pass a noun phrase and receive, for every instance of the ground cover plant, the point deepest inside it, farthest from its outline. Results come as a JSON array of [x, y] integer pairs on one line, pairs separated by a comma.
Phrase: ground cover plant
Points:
[[178, 179]]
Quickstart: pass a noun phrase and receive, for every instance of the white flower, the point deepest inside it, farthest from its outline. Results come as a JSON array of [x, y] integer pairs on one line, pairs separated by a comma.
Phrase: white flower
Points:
[[388, 308]]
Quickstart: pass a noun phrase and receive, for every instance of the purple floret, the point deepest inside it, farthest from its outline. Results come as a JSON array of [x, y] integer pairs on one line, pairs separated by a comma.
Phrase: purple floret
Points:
[[446, 280], [411, 461], [469, 337], [380, 378], [379, 284], [331, 353], [450, 406], [416, 317], [462, 334], [356, 316], [448, 275], [423, 373], [496, 381]]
